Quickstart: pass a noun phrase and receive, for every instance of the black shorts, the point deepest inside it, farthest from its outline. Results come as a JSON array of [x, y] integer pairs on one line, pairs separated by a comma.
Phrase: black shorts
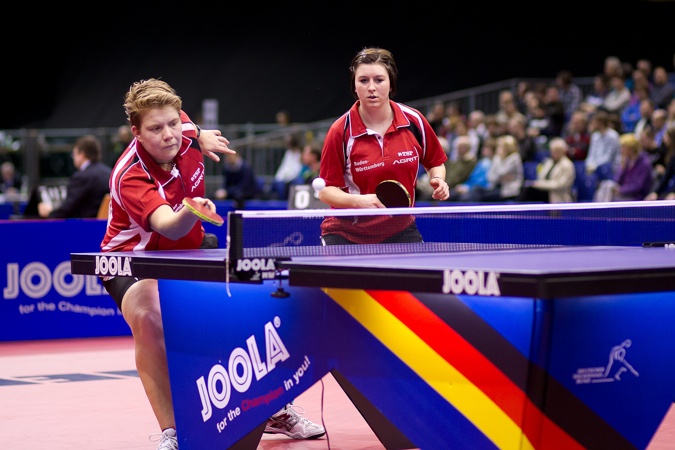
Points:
[[118, 286]]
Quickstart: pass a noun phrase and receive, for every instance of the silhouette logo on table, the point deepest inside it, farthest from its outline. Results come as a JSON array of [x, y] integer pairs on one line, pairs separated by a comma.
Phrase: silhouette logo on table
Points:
[[617, 367]]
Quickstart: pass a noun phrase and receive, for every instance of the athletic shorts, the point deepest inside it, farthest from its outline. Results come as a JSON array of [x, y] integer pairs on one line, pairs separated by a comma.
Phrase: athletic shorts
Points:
[[118, 286]]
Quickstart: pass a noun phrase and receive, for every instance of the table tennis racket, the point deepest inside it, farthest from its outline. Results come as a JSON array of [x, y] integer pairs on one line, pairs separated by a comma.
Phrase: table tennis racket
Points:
[[393, 194], [203, 212]]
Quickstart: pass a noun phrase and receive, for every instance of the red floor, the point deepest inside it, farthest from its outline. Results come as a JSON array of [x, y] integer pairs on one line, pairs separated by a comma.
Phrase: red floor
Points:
[[84, 394]]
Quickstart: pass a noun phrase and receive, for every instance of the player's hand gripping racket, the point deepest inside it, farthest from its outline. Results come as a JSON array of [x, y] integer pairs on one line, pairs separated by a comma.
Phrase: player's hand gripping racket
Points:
[[203, 212], [393, 194]]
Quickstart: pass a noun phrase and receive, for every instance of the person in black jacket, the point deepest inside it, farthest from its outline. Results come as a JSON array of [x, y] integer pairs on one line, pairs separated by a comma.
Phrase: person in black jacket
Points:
[[86, 187], [239, 183]]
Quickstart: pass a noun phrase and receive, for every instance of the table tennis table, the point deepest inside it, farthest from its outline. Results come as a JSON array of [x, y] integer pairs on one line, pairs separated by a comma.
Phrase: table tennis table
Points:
[[517, 348]]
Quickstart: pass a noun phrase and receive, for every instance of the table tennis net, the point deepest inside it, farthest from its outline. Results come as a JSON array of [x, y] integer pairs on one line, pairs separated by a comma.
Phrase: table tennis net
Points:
[[458, 228]]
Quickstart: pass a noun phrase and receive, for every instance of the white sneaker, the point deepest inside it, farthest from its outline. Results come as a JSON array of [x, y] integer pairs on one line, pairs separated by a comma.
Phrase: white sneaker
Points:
[[288, 422], [167, 439]]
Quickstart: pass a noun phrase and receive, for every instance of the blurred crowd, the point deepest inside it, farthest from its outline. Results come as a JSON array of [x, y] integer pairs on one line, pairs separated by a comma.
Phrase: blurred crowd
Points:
[[548, 140]]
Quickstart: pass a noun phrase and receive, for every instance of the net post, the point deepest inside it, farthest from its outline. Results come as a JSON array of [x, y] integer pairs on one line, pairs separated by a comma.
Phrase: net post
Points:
[[235, 236]]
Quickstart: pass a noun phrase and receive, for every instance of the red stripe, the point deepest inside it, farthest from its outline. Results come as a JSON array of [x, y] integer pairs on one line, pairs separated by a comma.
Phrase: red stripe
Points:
[[475, 367]]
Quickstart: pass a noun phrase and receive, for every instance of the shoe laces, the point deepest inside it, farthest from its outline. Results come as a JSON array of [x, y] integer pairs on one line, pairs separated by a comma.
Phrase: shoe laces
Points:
[[296, 412], [166, 441]]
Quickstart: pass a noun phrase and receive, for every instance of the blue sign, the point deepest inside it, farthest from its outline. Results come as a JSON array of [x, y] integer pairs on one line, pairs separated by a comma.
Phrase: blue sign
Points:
[[41, 299]]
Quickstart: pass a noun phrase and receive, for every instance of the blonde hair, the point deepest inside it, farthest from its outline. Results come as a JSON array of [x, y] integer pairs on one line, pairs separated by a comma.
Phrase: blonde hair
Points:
[[630, 141], [509, 143], [149, 94]]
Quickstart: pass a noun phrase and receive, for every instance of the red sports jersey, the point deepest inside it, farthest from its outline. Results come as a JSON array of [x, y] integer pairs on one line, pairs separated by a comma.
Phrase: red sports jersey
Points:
[[138, 186], [356, 159]]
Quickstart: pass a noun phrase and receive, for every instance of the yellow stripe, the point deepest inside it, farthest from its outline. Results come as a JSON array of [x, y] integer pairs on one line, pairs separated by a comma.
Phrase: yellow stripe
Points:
[[431, 367]]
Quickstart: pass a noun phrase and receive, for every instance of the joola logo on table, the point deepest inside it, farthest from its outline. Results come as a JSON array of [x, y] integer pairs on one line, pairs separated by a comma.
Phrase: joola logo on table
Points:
[[471, 282], [243, 366], [113, 265]]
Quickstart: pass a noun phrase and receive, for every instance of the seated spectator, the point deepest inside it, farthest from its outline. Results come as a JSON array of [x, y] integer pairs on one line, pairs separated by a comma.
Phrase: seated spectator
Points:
[[633, 181], [10, 179], [618, 96], [478, 176], [660, 123], [555, 177], [86, 187], [311, 162], [507, 108], [576, 136], [239, 183], [505, 176], [517, 127], [656, 153], [603, 150], [632, 113], [662, 91], [569, 92], [461, 130], [458, 170], [665, 188], [290, 165], [596, 96]]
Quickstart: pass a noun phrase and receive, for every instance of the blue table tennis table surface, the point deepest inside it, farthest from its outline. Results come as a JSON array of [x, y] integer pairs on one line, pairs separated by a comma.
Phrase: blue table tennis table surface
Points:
[[545, 272]]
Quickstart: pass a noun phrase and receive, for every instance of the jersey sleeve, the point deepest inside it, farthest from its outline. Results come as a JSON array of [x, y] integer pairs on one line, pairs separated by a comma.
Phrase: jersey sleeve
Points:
[[332, 168]]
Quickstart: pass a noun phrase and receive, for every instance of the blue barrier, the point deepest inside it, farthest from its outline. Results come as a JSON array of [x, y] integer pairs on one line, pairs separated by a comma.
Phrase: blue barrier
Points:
[[41, 299]]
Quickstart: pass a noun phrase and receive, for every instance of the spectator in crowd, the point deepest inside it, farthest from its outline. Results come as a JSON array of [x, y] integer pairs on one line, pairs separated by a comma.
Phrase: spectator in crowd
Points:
[[596, 96], [290, 165], [461, 130], [658, 154], [311, 163], [612, 66], [86, 187], [555, 177], [493, 126], [646, 111], [283, 117], [477, 128], [660, 123], [120, 142], [639, 78], [505, 176], [239, 183], [645, 66], [618, 96], [523, 88], [478, 176], [555, 111], [633, 181], [569, 93], [507, 108], [603, 150], [576, 136], [670, 119], [639, 105], [664, 188], [662, 90], [436, 117], [458, 170], [10, 179], [526, 141]]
